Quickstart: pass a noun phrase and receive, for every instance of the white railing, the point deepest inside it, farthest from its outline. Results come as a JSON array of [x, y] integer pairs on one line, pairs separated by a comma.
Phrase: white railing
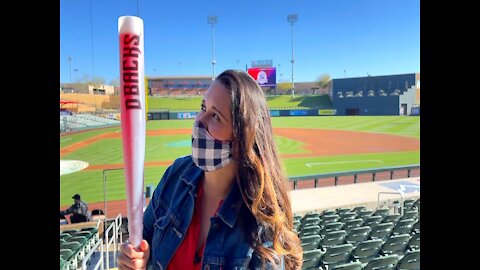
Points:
[[100, 260]]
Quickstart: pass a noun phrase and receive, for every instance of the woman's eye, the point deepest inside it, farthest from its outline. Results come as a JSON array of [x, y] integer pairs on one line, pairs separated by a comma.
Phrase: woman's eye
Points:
[[216, 116]]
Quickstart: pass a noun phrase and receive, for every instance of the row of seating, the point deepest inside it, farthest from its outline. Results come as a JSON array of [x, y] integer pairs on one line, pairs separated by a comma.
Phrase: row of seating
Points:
[[359, 238], [75, 244], [410, 261]]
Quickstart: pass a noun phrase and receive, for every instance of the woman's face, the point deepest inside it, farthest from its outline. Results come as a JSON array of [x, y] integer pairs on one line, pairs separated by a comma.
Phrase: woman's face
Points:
[[215, 113]]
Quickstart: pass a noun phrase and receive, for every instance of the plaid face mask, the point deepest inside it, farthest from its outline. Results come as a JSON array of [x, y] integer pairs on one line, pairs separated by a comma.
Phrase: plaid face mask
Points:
[[208, 153]]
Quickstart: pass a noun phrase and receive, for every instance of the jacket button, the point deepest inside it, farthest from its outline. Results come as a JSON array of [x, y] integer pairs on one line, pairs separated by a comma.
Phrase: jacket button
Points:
[[207, 267]]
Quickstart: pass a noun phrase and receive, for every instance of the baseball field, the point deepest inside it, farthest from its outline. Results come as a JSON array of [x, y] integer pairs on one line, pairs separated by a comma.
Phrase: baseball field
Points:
[[308, 145]]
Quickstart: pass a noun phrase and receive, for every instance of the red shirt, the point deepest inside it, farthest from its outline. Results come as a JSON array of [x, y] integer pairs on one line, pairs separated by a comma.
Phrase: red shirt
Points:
[[184, 257]]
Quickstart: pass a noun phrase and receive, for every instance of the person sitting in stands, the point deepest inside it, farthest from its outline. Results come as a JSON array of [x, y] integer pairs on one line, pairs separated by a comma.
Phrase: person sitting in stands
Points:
[[79, 210]]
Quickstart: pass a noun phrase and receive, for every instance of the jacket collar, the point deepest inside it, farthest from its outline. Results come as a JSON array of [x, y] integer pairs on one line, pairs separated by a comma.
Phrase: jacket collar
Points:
[[230, 208]]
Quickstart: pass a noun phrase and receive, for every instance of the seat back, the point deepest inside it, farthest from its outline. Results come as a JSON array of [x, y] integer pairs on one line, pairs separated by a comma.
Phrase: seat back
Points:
[[382, 231], [333, 238], [382, 263], [330, 227], [411, 261], [403, 226], [358, 235], [396, 244], [414, 242], [312, 258], [367, 250], [336, 255], [348, 266]]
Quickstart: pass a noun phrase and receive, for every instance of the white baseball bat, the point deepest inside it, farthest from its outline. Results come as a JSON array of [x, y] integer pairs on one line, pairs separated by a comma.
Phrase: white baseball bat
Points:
[[133, 122]]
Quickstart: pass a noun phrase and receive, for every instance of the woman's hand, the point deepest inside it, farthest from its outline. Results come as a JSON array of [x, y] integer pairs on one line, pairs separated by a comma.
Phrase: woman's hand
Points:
[[133, 258]]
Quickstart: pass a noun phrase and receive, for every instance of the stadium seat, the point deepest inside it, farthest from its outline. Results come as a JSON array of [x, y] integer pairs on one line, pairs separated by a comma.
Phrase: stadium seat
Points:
[[65, 236], [408, 204], [347, 216], [310, 242], [393, 218], [364, 214], [341, 211], [367, 250], [396, 244], [412, 214], [411, 261], [352, 224], [382, 212], [336, 255], [348, 266], [414, 242], [382, 231], [328, 219], [328, 212], [312, 258], [358, 209], [403, 226], [384, 263], [310, 222], [69, 257], [330, 227], [70, 232], [416, 227], [373, 221], [333, 238], [311, 230], [311, 215], [358, 235]]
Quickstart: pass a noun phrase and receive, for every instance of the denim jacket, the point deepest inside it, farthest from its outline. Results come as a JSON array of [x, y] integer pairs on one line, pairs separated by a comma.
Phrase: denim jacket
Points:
[[170, 211]]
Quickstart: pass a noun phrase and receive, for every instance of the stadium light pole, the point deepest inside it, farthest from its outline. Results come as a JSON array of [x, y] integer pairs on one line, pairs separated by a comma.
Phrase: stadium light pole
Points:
[[76, 70], [213, 20], [292, 18], [70, 67]]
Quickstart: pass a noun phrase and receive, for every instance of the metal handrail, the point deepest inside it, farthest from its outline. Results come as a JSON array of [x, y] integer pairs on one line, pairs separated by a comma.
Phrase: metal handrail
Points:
[[109, 242], [100, 260]]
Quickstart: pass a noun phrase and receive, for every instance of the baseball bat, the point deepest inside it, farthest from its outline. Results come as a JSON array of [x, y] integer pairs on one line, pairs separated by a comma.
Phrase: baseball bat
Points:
[[133, 122]]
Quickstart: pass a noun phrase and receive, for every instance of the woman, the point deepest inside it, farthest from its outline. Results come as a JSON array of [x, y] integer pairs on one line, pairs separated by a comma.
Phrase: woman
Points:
[[226, 206]]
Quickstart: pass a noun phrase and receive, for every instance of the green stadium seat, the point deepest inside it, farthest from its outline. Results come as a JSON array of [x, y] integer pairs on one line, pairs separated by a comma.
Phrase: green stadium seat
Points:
[[333, 238], [71, 232], [336, 255], [393, 218], [347, 216], [416, 227], [352, 224], [382, 212], [364, 214], [382, 231], [310, 222], [414, 242], [312, 258], [69, 257], [310, 242], [311, 215], [65, 236], [330, 227], [373, 221], [396, 244], [358, 209], [358, 235], [412, 214], [311, 230], [384, 263], [341, 211], [403, 226], [348, 266], [328, 213], [411, 261], [367, 250], [408, 204], [329, 219]]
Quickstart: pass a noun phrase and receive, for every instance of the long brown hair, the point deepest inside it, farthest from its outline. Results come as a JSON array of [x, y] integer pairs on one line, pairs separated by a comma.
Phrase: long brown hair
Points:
[[262, 181]]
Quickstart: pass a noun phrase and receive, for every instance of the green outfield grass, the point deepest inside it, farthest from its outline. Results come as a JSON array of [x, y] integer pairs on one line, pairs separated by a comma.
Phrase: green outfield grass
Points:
[[283, 101], [166, 148]]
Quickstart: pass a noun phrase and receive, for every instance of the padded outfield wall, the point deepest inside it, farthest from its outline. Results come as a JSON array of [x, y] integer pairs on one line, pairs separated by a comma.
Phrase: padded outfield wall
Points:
[[370, 105]]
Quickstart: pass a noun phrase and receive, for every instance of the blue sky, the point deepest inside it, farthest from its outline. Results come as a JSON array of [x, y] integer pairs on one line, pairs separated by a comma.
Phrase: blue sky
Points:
[[335, 37]]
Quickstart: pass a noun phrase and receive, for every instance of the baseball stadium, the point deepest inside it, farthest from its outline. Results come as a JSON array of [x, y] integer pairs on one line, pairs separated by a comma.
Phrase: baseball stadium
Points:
[[351, 151]]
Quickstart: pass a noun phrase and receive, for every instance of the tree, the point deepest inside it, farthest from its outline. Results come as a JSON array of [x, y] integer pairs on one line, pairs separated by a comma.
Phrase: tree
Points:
[[284, 86], [325, 82]]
